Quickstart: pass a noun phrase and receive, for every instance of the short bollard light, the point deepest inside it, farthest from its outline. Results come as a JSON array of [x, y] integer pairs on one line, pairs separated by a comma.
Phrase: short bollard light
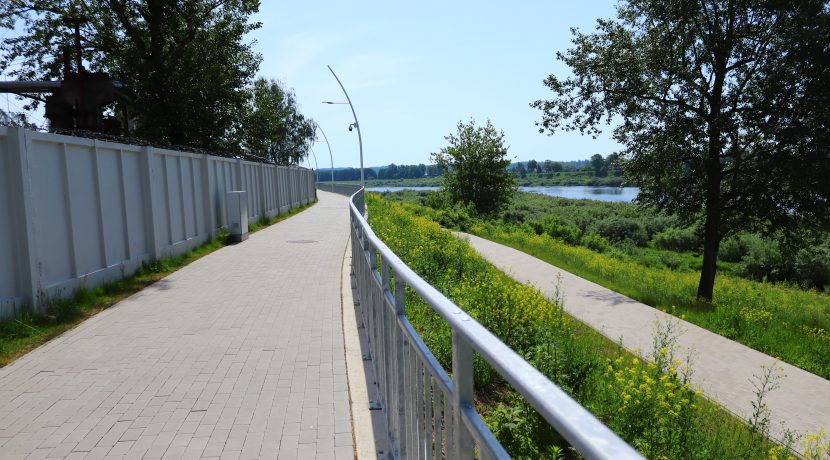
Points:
[[238, 215]]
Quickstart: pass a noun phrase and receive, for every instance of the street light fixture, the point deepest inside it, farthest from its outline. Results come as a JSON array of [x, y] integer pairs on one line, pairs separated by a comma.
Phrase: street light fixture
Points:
[[316, 126], [351, 126], [317, 168]]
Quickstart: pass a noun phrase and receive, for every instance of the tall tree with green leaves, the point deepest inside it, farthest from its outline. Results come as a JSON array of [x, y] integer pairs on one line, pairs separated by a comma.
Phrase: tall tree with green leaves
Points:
[[273, 127], [186, 62], [474, 167], [721, 106], [598, 163]]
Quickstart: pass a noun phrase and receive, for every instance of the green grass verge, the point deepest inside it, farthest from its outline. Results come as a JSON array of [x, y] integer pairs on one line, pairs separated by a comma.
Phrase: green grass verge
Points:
[[649, 404], [28, 331], [778, 319], [788, 323]]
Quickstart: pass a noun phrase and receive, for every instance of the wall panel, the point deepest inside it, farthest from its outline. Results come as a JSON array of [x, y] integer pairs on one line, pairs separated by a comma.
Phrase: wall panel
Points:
[[79, 212]]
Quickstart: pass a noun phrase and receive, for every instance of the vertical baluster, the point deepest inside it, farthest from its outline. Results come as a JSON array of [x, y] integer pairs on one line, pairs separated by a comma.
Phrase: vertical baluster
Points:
[[437, 394], [462, 391], [387, 332], [369, 292], [429, 435], [420, 400], [412, 397], [416, 400], [383, 355], [377, 358], [399, 414], [407, 427], [449, 435]]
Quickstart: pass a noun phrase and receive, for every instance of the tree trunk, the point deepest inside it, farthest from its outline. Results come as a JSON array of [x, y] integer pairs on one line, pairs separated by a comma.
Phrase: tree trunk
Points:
[[712, 234], [714, 171], [711, 244]]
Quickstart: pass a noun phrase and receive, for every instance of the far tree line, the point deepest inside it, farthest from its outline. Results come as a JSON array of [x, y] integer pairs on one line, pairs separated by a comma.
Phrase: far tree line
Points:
[[610, 165], [598, 165]]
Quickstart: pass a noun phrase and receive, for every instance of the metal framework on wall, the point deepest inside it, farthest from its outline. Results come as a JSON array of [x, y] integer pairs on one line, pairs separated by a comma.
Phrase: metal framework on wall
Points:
[[429, 413]]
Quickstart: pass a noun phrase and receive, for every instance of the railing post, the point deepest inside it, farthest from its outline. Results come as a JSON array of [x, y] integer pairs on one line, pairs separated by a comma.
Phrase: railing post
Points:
[[462, 395], [398, 401]]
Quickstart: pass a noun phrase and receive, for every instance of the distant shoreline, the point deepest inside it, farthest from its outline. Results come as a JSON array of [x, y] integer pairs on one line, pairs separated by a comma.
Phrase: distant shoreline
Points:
[[531, 180]]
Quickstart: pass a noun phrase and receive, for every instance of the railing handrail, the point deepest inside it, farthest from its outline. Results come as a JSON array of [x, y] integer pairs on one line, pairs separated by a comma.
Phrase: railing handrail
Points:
[[572, 421]]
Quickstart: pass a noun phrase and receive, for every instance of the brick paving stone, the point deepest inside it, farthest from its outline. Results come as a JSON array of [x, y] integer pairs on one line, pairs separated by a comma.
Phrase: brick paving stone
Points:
[[238, 355]]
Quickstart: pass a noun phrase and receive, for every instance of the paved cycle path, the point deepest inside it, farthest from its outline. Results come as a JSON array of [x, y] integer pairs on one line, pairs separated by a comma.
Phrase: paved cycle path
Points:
[[238, 355], [722, 368]]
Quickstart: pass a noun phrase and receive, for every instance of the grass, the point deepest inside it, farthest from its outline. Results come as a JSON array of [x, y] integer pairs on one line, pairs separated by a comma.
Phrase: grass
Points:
[[26, 332], [779, 319], [788, 323], [649, 404]]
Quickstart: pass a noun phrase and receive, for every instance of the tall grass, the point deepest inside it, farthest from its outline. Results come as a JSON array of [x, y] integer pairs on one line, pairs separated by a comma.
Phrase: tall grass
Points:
[[788, 323], [649, 404]]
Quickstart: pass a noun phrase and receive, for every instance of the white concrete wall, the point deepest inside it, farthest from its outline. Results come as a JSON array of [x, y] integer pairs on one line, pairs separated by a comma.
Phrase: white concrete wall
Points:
[[82, 212]]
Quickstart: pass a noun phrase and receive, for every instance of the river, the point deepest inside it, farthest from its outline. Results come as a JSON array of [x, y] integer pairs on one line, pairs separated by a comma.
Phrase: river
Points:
[[626, 194]]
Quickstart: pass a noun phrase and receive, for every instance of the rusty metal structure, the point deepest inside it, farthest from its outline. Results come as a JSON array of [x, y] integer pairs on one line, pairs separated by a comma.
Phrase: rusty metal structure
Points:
[[78, 101]]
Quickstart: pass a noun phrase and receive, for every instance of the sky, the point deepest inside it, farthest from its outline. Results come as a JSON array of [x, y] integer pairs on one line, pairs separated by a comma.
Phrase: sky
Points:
[[413, 70]]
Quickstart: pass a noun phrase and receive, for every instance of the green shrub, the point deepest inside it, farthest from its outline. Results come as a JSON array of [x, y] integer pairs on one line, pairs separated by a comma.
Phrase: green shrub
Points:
[[618, 229], [459, 216], [594, 242], [734, 248], [678, 239], [811, 266], [763, 260], [656, 223], [437, 200], [570, 234]]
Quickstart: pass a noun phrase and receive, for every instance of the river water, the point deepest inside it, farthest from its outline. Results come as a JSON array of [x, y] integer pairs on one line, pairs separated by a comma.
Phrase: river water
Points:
[[626, 194]]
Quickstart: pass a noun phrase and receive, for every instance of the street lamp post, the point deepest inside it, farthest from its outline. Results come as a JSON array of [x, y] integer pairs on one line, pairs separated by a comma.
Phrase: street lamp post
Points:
[[316, 126], [355, 124], [317, 168]]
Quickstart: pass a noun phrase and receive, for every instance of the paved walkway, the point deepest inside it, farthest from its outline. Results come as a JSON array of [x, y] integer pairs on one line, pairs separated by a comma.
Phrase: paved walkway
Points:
[[238, 355], [722, 368]]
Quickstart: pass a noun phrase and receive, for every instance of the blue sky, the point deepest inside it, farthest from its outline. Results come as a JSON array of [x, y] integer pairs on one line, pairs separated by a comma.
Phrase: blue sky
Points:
[[414, 69]]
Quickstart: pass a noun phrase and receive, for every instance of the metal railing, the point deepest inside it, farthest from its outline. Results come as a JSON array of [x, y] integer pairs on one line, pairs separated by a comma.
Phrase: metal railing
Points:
[[429, 413], [340, 189]]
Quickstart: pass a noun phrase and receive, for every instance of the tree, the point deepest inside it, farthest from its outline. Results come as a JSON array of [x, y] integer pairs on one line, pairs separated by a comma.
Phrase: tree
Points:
[[722, 110], [554, 166], [433, 170], [185, 62], [614, 164], [474, 166], [532, 166], [273, 127], [598, 165]]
